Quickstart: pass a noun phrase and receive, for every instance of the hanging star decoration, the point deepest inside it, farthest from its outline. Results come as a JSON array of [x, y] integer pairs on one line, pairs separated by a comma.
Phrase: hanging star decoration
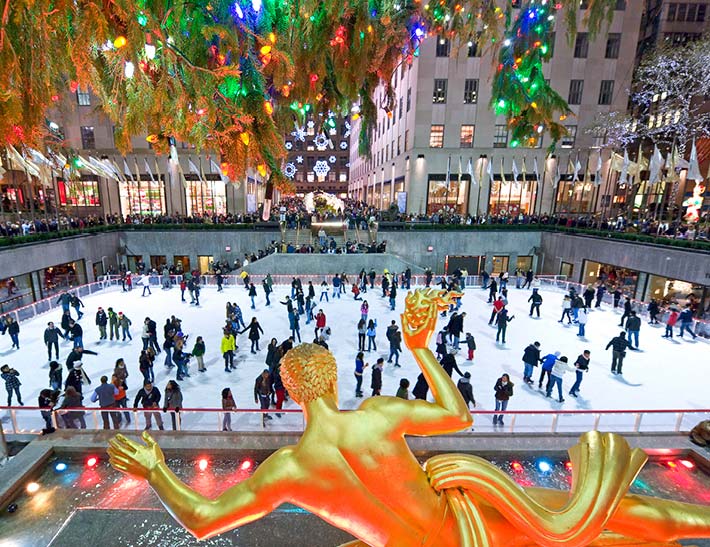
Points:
[[299, 159]]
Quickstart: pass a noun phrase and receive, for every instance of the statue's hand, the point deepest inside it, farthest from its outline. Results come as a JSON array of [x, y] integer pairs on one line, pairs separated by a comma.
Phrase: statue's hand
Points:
[[421, 308], [135, 458]]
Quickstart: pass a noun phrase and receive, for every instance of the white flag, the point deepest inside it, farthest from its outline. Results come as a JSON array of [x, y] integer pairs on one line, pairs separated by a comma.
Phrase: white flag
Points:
[[217, 168], [577, 169], [558, 176], [148, 170], [655, 166], [598, 170], [693, 167], [127, 170], [469, 169], [193, 167], [489, 170], [515, 171], [536, 170], [448, 172], [624, 169]]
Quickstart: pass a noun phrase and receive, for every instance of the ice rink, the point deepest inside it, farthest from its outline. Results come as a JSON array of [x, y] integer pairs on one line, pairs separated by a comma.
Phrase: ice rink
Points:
[[664, 374]]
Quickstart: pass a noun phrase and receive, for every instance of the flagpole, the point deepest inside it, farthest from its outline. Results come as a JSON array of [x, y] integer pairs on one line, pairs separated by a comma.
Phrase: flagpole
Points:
[[490, 186], [597, 187], [585, 182], [480, 184], [541, 185]]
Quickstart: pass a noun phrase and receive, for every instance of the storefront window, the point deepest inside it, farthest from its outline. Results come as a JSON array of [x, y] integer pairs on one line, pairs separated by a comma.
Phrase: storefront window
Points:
[[83, 192], [679, 293], [566, 269], [142, 197], [157, 262], [62, 277], [15, 292], [206, 196], [575, 197], [453, 195], [511, 198], [500, 264], [524, 263], [612, 276], [472, 264]]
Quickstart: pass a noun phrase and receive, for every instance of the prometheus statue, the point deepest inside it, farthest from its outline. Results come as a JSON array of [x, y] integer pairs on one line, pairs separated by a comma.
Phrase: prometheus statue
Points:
[[355, 471]]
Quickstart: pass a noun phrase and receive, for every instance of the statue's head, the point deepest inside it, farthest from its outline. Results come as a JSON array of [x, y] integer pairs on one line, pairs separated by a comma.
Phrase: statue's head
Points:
[[309, 372]]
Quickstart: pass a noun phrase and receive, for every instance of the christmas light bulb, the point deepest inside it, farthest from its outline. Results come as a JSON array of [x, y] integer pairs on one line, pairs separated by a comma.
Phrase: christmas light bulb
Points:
[[256, 5], [507, 42], [128, 69], [119, 42], [150, 51], [142, 19], [238, 10], [501, 103]]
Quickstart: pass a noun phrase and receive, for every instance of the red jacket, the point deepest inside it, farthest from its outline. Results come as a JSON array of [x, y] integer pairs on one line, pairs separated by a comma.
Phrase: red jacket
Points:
[[498, 305], [672, 319], [320, 321]]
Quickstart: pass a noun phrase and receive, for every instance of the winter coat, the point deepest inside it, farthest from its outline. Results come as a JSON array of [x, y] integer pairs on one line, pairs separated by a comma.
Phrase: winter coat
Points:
[[254, 330], [421, 388], [147, 399], [471, 342], [583, 316], [76, 378], [320, 320], [633, 323], [619, 343], [560, 367], [121, 373], [466, 390], [228, 344], [376, 378], [52, 335], [672, 318], [76, 331], [262, 387], [582, 363], [173, 399], [548, 361], [503, 392], [535, 297], [101, 318], [372, 331], [686, 316], [198, 349], [531, 355]]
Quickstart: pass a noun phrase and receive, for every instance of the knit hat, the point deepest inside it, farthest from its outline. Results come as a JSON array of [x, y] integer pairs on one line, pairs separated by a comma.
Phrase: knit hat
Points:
[[557, 354], [77, 365], [119, 313]]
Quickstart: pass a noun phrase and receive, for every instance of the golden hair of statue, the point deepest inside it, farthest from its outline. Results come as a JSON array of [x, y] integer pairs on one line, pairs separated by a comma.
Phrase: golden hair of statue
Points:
[[356, 471]]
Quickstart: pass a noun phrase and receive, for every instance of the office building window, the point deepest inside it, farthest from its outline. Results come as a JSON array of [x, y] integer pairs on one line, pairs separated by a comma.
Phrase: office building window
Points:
[[473, 49], [569, 139], [439, 95], [620, 5], [409, 98], [436, 137], [613, 43], [500, 139], [401, 104], [681, 12], [701, 13], [443, 46], [575, 91], [690, 16], [606, 91], [671, 12], [581, 45], [466, 140], [552, 44], [83, 98], [87, 137], [470, 91]]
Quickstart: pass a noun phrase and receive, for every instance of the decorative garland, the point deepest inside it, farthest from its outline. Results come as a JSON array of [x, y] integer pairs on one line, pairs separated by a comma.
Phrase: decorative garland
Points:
[[236, 75]]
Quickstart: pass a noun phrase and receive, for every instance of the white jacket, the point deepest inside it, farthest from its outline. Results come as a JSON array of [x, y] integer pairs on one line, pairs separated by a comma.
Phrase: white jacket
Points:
[[582, 316], [560, 367]]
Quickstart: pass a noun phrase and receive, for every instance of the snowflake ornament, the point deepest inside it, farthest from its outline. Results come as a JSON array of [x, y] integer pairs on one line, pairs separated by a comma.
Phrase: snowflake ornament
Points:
[[321, 168], [332, 159], [347, 129], [311, 124], [299, 159], [299, 134], [289, 145], [321, 142], [290, 170], [343, 145]]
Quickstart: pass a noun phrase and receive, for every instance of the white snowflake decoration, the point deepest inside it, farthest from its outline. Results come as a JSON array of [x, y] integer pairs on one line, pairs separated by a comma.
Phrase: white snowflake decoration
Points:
[[347, 130], [321, 168], [321, 142], [290, 170], [332, 131], [311, 124], [299, 159], [299, 134], [347, 165], [332, 159], [289, 145], [343, 145]]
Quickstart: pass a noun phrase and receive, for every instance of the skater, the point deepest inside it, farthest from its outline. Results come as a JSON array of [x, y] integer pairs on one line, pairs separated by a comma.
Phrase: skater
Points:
[[558, 372], [120, 400], [588, 295], [227, 348], [619, 345], [228, 405], [273, 354], [198, 352], [364, 310], [125, 324], [120, 372], [421, 388], [336, 286], [183, 287], [372, 275], [502, 321], [149, 396], [671, 322], [403, 389], [471, 345], [295, 326], [219, 278], [145, 364], [356, 292], [181, 359], [448, 363], [617, 296], [77, 304], [77, 377], [55, 376], [455, 328], [566, 310], [12, 384], [531, 359], [466, 390], [254, 329], [361, 334], [371, 333], [263, 394], [653, 310], [13, 329], [51, 338], [504, 391], [76, 334], [320, 323], [73, 399], [633, 326], [393, 296], [627, 310], [492, 290], [407, 279], [686, 322], [112, 324], [395, 339], [172, 401], [581, 365], [360, 367], [267, 291], [76, 354], [547, 363], [601, 289], [498, 305], [105, 394], [376, 383], [582, 319], [237, 311], [101, 322], [528, 279], [536, 300], [323, 291], [145, 281], [65, 301], [252, 295], [64, 323]]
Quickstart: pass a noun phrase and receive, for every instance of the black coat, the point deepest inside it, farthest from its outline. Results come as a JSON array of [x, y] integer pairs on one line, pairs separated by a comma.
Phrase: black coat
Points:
[[376, 378], [531, 355], [254, 330], [503, 392], [449, 365], [421, 388], [466, 390], [52, 335]]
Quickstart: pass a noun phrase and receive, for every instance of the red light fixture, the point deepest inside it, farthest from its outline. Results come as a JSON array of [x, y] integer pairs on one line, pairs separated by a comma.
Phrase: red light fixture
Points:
[[203, 464], [246, 465], [688, 464], [91, 462], [517, 467], [568, 465], [671, 465]]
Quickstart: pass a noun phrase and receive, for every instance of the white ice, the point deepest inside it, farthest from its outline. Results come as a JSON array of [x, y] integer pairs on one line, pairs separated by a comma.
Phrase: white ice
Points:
[[664, 374]]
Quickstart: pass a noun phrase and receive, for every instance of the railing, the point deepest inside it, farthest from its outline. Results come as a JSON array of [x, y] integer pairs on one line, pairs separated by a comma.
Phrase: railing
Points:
[[28, 420]]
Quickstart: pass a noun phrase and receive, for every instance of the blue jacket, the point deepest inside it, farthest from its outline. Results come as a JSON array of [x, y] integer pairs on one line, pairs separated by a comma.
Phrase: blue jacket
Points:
[[686, 316], [548, 361]]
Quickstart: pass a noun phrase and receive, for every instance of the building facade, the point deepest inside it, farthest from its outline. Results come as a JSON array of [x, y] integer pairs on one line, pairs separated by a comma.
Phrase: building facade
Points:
[[442, 133]]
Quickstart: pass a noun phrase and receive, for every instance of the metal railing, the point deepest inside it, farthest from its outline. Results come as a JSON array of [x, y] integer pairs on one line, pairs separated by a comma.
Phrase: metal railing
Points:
[[29, 420]]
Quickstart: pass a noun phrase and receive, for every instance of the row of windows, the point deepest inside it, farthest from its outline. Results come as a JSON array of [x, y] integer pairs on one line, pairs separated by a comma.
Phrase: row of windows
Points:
[[679, 38], [689, 13], [470, 91], [500, 137], [384, 124], [576, 88]]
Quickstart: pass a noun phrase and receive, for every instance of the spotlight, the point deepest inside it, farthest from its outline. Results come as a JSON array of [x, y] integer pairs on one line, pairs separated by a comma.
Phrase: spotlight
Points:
[[671, 465], [246, 465], [203, 464], [92, 462], [687, 464], [60, 467], [568, 466], [32, 488], [544, 466], [517, 467]]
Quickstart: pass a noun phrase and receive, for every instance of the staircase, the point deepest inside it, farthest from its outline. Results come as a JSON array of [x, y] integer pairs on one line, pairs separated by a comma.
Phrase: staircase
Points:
[[296, 237]]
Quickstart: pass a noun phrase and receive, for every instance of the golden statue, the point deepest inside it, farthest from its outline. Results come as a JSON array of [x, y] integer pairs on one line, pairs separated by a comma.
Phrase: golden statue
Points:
[[356, 471]]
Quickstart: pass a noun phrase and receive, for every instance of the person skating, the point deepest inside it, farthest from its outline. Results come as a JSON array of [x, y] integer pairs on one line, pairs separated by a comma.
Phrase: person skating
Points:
[[617, 294], [671, 322], [101, 322], [364, 310], [361, 334], [145, 364], [198, 351], [376, 383], [120, 372], [455, 328], [502, 321], [254, 329], [77, 304], [336, 286], [55, 375], [633, 326], [51, 339], [267, 291], [13, 329], [403, 389], [548, 361], [273, 354], [252, 295], [12, 384], [536, 302], [227, 347], [149, 397], [395, 339], [492, 290], [588, 296], [76, 334], [73, 399], [356, 292], [686, 322], [407, 278], [371, 334], [566, 310], [619, 344], [503, 392], [295, 326], [393, 296], [360, 366], [228, 406], [556, 375], [172, 401], [627, 310], [77, 354], [181, 359], [653, 311], [448, 363], [498, 305], [145, 281], [323, 291], [125, 324], [183, 288], [471, 345], [531, 358], [528, 279], [263, 393], [105, 394], [112, 324], [466, 389], [320, 322], [77, 377], [581, 366], [64, 323], [121, 400], [582, 320], [601, 289]]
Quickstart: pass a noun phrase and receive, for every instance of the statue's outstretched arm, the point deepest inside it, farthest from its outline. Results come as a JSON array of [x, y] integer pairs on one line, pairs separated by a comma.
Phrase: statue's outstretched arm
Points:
[[245, 502], [449, 412]]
